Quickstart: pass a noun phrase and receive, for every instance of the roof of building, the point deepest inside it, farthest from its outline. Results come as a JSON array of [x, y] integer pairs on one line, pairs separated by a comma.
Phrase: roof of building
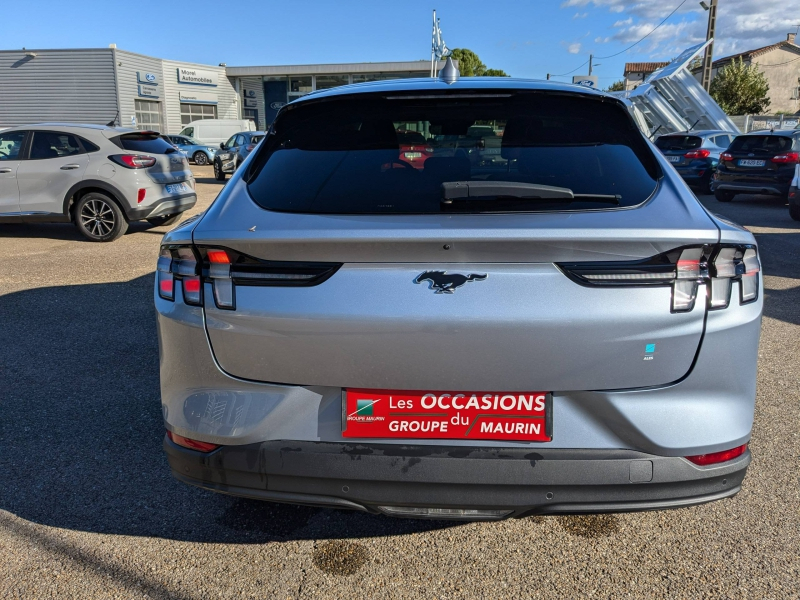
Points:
[[751, 54], [333, 69], [644, 67]]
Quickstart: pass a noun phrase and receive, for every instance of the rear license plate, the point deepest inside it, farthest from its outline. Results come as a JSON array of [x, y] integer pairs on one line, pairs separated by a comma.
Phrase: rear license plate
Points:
[[412, 155], [674, 158], [517, 416], [177, 188], [752, 163]]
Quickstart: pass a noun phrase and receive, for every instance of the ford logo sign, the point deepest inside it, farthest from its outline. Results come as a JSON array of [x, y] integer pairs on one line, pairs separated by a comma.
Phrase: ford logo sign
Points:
[[277, 105], [586, 82], [150, 77]]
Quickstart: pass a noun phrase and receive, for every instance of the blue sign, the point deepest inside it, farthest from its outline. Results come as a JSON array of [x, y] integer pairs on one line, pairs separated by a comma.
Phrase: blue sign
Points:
[[147, 78]]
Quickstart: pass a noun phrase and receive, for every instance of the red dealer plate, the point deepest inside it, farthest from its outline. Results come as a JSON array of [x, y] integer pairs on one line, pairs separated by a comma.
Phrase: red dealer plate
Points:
[[518, 416]]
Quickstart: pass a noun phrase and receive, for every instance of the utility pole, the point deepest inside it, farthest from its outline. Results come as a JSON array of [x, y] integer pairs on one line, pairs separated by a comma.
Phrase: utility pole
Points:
[[591, 56], [711, 7]]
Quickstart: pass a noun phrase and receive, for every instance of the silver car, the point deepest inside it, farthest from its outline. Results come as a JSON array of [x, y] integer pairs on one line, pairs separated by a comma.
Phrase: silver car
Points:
[[100, 178], [564, 329]]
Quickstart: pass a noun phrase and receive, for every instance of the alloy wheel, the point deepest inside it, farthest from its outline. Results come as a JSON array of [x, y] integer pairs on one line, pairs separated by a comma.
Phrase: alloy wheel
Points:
[[97, 218]]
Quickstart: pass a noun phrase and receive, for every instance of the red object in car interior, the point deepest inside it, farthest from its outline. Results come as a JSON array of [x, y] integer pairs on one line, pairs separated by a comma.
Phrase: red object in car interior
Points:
[[191, 444], [717, 457], [698, 154], [218, 256]]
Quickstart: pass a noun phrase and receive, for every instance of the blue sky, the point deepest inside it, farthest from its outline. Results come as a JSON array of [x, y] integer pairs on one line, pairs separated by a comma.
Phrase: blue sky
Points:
[[525, 38]]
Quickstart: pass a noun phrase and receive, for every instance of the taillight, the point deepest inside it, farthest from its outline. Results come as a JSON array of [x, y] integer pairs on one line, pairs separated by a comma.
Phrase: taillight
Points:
[[226, 269], [133, 161], [726, 156], [788, 158], [697, 154], [718, 457], [191, 444], [140, 196], [684, 269]]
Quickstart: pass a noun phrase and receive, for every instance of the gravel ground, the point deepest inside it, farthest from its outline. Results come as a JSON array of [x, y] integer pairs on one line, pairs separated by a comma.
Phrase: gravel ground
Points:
[[88, 508]]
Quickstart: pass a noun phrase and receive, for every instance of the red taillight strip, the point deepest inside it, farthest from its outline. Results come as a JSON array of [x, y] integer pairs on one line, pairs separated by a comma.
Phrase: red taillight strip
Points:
[[192, 444], [717, 457]]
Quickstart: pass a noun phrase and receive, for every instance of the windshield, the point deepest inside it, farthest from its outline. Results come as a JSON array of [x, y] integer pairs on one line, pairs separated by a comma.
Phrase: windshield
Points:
[[678, 142], [761, 143], [348, 155]]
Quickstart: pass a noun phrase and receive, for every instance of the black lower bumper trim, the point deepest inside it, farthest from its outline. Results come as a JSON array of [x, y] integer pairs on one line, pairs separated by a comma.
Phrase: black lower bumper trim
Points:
[[522, 480], [165, 206]]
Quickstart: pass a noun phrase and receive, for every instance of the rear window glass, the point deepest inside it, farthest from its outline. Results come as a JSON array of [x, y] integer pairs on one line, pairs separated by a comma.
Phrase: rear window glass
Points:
[[761, 143], [678, 142], [254, 139], [152, 143], [344, 155]]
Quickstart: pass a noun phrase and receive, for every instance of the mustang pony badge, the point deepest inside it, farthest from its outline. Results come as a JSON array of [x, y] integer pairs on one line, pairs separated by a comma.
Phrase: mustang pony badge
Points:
[[445, 283]]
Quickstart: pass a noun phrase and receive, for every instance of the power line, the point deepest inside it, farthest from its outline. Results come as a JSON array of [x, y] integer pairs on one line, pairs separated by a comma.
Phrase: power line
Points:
[[645, 37], [573, 70], [779, 64], [629, 47]]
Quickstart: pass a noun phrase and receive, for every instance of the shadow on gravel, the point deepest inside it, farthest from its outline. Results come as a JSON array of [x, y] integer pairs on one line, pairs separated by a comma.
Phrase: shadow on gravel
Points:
[[81, 430], [66, 231]]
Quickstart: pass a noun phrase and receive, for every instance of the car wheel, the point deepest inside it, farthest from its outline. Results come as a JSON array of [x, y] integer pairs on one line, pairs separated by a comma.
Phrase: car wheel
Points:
[[723, 196], [165, 220], [200, 158], [705, 186], [219, 174], [794, 211], [99, 218]]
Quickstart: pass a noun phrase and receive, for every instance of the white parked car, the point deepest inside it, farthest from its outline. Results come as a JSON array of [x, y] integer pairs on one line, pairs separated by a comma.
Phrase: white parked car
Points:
[[213, 132], [98, 177]]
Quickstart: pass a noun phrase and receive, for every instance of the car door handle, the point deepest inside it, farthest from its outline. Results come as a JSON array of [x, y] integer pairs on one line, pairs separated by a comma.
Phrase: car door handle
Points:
[[70, 167], [6, 170]]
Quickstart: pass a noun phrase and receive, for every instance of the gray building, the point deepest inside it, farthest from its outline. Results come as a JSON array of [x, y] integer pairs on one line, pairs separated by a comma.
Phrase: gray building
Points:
[[105, 85]]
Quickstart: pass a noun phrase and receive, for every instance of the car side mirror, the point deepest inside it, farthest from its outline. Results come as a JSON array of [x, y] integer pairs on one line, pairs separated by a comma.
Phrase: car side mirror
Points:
[[222, 146]]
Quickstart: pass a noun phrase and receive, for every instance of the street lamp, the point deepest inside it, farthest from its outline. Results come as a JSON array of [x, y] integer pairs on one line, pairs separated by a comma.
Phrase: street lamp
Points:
[[711, 8]]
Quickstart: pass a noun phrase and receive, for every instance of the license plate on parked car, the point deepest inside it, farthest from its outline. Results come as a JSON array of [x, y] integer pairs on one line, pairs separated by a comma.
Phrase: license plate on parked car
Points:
[[746, 162], [412, 155], [517, 416], [674, 158], [177, 188]]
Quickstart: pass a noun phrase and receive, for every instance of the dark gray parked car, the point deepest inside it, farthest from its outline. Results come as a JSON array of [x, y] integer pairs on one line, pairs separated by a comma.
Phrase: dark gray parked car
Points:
[[233, 152], [564, 329]]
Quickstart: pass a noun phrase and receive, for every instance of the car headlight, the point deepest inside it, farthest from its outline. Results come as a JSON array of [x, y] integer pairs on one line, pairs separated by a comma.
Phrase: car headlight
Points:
[[212, 150], [224, 156]]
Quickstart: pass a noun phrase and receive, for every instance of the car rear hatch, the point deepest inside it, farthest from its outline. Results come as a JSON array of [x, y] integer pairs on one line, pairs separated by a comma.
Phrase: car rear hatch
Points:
[[170, 165], [680, 150], [326, 264], [762, 159]]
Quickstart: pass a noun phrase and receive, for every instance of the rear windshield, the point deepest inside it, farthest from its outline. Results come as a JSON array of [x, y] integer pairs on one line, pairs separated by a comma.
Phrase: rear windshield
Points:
[[348, 155], [254, 139], [151, 143], [770, 144], [678, 142]]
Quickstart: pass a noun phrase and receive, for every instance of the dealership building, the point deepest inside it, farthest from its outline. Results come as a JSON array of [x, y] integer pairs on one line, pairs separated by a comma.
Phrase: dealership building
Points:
[[110, 85]]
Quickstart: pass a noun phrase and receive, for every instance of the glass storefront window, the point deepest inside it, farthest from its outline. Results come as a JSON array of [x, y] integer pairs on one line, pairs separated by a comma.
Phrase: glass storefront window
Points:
[[362, 77], [301, 85], [325, 82]]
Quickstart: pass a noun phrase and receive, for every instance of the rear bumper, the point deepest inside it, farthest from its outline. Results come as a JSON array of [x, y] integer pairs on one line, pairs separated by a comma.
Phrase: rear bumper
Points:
[[165, 206], [520, 481], [774, 188]]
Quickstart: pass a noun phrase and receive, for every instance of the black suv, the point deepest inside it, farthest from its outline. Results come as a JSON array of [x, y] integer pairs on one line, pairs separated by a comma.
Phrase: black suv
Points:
[[761, 162]]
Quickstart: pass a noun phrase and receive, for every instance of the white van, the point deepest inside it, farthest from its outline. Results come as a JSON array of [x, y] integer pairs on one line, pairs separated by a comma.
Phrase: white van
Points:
[[213, 132]]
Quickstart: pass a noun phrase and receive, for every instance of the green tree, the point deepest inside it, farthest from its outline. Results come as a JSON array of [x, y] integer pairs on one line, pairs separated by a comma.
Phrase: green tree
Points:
[[741, 89], [617, 86], [470, 65]]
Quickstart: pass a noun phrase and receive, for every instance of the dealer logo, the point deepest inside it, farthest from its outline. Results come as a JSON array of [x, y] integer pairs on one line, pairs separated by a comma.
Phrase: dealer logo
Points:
[[447, 283], [150, 77]]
